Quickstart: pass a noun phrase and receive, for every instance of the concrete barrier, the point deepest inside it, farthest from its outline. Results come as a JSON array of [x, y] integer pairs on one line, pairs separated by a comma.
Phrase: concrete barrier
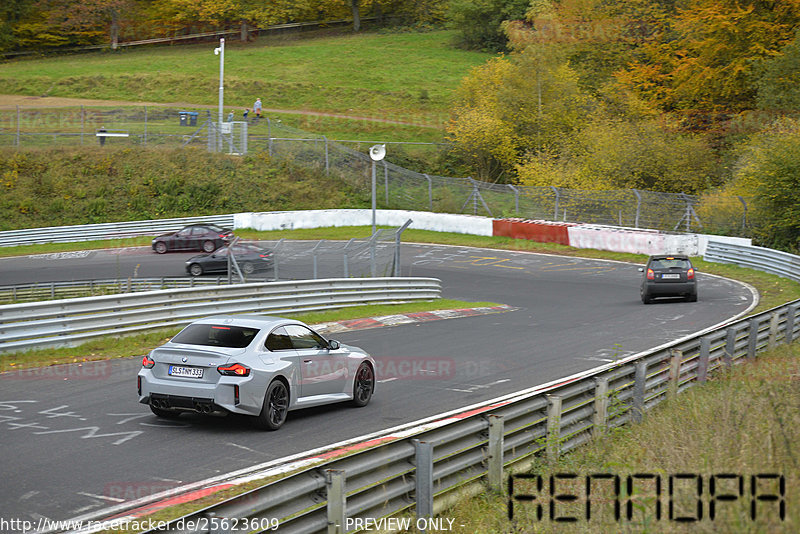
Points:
[[422, 220]]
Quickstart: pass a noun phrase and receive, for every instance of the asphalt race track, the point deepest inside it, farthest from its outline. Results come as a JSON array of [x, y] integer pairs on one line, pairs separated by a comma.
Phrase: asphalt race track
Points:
[[75, 440]]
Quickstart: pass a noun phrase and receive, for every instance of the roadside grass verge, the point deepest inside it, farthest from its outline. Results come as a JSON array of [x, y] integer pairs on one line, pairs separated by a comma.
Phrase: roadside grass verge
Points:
[[110, 348], [743, 422], [400, 76]]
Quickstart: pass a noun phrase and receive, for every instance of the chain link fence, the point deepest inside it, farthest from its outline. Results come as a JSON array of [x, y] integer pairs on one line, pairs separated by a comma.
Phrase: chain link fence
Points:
[[397, 187]]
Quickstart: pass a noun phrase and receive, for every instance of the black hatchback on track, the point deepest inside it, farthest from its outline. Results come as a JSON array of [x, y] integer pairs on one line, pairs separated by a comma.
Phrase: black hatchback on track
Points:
[[668, 275]]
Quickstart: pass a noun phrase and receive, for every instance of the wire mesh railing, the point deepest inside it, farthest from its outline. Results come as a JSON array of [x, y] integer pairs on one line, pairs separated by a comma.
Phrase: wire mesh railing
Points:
[[397, 187]]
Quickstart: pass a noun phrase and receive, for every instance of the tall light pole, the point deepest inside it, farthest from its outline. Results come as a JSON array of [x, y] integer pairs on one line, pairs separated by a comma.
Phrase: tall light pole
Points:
[[220, 51], [377, 153]]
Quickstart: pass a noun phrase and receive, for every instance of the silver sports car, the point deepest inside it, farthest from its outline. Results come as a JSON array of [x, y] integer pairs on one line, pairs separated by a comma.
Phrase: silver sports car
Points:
[[255, 365]]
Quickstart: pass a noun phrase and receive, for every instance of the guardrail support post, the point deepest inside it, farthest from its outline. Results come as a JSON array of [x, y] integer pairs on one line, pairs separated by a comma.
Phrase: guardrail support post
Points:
[[676, 358], [424, 478], [553, 445], [702, 360], [496, 452], [752, 339], [730, 348], [334, 483], [639, 383], [774, 321], [791, 314], [600, 407]]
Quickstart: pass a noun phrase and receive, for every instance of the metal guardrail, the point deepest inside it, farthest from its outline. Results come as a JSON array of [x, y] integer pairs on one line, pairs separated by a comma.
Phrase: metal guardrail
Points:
[[428, 468], [91, 232], [90, 288], [758, 258], [67, 322]]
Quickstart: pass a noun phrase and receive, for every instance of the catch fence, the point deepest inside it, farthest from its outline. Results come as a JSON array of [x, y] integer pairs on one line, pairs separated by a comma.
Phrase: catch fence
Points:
[[397, 187]]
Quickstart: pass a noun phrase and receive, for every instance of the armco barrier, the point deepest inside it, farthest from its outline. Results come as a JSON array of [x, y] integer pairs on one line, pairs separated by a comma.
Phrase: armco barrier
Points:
[[578, 235], [91, 232], [758, 258], [67, 322], [466, 451]]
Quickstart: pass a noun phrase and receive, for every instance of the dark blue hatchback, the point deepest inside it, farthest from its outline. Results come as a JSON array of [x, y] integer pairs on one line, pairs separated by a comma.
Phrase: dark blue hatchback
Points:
[[668, 276]]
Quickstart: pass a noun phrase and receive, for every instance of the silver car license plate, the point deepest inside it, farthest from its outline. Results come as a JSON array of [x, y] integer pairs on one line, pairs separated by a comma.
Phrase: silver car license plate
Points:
[[188, 372], [670, 276]]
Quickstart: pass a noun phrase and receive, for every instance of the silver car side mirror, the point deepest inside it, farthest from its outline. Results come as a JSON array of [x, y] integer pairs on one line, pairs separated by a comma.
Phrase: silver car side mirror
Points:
[[333, 344]]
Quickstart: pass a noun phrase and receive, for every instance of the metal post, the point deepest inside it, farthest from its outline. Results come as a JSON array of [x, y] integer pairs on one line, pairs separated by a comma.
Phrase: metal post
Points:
[[374, 202], [346, 273], [702, 360], [744, 212], [676, 358], [275, 256], [752, 339], [314, 255], [327, 162], [553, 427], [774, 322], [430, 192], [495, 474], [516, 198], [337, 500], [18, 126], [145, 126], [424, 478], [83, 122], [600, 407], [269, 137], [221, 52], [639, 385], [373, 268], [386, 183], [791, 317], [638, 207], [555, 209], [730, 348], [397, 238]]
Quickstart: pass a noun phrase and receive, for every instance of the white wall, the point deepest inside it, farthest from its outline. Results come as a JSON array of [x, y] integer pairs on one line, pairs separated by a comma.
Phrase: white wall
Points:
[[422, 220], [616, 239]]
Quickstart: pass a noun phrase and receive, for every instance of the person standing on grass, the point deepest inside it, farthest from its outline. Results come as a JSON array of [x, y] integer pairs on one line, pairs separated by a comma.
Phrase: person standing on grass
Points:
[[244, 114], [257, 108], [230, 117]]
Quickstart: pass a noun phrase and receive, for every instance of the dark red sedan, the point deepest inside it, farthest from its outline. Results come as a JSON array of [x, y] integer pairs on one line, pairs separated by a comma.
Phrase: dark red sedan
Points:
[[205, 237]]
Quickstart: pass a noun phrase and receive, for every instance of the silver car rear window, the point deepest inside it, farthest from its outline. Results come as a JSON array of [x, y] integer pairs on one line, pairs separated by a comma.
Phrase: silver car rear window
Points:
[[233, 337]]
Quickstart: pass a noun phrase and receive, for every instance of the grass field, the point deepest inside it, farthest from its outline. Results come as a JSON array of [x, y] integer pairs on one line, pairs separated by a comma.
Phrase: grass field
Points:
[[406, 77]]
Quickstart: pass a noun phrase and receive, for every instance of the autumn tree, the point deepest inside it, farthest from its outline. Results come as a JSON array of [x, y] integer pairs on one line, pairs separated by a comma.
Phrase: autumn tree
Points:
[[92, 20], [480, 22], [778, 82], [12, 13], [705, 57], [512, 107], [768, 171]]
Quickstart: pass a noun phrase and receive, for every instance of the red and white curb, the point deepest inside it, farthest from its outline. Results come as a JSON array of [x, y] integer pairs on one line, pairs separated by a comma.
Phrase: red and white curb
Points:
[[407, 318]]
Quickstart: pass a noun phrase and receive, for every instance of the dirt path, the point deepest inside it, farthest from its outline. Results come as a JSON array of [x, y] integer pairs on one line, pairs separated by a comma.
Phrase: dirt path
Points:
[[23, 101]]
